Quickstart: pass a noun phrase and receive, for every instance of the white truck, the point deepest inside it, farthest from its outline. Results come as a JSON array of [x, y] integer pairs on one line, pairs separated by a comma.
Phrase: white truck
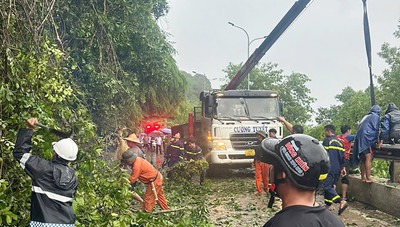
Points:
[[226, 126]]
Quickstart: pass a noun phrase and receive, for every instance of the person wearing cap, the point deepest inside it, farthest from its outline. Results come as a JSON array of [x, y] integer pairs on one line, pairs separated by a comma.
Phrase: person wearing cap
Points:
[[261, 168], [132, 141], [337, 159], [147, 174], [54, 183], [299, 164]]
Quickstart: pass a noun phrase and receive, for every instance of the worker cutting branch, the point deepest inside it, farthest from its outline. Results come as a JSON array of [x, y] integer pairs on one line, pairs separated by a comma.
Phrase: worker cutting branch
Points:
[[147, 174], [54, 183]]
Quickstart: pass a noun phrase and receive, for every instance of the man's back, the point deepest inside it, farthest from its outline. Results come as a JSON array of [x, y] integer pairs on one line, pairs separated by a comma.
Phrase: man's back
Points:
[[304, 216], [346, 140], [53, 184], [335, 150], [367, 133], [142, 170], [390, 123], [137, 151]]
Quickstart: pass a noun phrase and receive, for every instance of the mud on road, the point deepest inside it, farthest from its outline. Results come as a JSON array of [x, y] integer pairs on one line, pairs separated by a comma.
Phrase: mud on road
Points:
[[234, 203]]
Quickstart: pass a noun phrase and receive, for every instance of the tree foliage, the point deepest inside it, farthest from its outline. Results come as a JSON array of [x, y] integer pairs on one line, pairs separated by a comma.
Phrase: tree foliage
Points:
[[86, 66], [389, 81], [354, 105], [195, 85], [124, 63], [294, 93]]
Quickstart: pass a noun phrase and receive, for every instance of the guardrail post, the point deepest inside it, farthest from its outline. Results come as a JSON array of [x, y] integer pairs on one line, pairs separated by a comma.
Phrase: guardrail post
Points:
[[396, 172]]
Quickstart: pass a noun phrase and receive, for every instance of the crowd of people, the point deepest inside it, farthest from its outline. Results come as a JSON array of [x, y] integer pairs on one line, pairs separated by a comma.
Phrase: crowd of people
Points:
[[300, 165], [295, 167]]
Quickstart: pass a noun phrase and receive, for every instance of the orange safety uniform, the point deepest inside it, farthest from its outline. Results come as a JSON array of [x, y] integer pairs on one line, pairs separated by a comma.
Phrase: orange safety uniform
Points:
[[145, 172], [262, 173]]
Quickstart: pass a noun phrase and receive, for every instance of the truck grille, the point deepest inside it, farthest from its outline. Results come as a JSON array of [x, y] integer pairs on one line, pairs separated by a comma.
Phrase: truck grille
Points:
[[243, 141], [240, 156]]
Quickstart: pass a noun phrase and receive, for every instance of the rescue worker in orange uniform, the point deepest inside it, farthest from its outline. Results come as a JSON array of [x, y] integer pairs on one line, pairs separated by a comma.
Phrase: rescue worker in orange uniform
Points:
[[147, 174], [262, 169]]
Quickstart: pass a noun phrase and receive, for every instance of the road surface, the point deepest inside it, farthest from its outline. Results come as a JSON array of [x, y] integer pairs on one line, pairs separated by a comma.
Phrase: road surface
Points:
[[235, 204]]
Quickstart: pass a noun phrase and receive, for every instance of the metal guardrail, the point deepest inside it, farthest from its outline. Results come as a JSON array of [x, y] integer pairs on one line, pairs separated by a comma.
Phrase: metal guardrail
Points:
[[388, 152]]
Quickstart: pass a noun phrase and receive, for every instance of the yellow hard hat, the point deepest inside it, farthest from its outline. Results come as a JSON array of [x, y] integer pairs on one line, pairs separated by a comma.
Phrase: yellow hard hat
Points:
[[133, 138]]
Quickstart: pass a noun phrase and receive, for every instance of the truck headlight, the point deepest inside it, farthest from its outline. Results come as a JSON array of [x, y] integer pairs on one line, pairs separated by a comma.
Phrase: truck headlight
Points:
[[219, 145]]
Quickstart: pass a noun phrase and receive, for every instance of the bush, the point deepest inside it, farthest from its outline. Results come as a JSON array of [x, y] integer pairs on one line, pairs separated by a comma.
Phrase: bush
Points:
[[380, 168]]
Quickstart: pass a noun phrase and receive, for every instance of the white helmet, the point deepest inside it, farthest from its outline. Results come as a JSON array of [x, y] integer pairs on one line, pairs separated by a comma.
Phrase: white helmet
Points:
[[66, 149]]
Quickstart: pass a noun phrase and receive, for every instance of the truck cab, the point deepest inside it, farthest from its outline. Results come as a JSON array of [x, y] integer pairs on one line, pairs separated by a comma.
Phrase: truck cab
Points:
[[228, 122]]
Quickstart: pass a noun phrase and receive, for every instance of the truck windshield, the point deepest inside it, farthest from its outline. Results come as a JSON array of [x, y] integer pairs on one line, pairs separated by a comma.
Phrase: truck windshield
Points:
[[256, 107]]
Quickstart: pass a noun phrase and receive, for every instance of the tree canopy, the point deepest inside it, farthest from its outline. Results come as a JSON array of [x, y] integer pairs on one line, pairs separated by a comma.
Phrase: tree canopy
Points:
[[123, 61], [86, 66]]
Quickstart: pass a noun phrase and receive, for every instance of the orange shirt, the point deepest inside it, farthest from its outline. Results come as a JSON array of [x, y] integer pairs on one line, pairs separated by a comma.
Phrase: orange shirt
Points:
[[142, 170]]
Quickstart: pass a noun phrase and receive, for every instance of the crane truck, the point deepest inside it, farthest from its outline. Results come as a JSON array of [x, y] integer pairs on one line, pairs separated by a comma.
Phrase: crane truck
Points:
[[225, 125]]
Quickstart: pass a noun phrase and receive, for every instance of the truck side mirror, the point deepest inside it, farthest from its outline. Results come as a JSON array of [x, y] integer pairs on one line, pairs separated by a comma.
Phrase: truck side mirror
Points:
[[211, 101], [280, 107], [201, 96]]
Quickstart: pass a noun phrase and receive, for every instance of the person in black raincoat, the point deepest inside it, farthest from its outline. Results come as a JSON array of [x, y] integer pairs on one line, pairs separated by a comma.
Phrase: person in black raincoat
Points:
[[54, 183], [366, 137]]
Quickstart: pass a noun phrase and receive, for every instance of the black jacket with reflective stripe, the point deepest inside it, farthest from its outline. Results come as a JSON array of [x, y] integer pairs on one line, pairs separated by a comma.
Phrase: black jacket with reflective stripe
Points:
[[174, 152], [53, 183], [194, 153]]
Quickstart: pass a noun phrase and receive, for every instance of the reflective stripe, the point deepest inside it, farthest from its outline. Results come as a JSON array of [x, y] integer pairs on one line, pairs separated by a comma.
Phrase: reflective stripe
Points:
[[334, 198], [180, 148], [187, 152], [41, 224], [323, 176], [23, 160], [333, 147], [52, 195], [337, 141]]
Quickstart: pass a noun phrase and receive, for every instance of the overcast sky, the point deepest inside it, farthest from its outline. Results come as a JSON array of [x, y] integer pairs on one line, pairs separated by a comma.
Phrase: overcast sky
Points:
[[326, 42]]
